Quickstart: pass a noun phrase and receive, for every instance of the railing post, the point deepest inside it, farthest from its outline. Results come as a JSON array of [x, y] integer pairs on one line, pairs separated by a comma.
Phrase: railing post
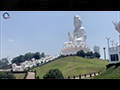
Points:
[[74, 77], [90, 75], [79, 76], [68, 77]]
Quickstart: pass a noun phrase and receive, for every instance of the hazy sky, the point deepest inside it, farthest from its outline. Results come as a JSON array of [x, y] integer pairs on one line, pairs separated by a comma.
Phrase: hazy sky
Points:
[[46, 31]]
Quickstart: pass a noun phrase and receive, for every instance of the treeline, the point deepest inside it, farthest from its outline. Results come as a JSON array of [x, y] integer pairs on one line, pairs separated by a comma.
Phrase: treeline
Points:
[[27, 56], [88, 54], [81, 53]]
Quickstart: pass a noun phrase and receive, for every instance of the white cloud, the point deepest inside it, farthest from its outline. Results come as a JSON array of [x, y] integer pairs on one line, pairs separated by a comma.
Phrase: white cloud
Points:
[[10, 40]]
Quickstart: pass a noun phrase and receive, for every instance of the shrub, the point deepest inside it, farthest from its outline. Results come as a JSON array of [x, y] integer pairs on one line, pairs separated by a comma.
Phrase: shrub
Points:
[[41, 62], [7, 75], [28, 68], [37, 77], [62, 55], [37, 64], [70, 54], [53, 74]]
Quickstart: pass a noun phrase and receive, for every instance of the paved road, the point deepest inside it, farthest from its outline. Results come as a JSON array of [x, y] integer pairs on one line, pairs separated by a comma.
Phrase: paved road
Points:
[[31, 75]]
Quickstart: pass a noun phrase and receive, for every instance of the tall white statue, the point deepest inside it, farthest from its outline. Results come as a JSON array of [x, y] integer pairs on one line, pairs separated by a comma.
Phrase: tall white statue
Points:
[[79, 33], [117, 27], [77, 40]]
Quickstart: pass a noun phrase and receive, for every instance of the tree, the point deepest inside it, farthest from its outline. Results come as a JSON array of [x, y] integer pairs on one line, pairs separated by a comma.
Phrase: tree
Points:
[[53, 74], [43, 55], [4, 62], [97, 55], [96, 49], [14, 60], [28, 56], [7, 75], [88, 54], [91, 54], [18, 59], [37, 55], [81, 53]]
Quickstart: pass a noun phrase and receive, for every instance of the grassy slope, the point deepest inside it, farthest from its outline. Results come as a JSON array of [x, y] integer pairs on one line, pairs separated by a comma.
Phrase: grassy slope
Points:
[[69, 68], [110, 73], [19, 75]]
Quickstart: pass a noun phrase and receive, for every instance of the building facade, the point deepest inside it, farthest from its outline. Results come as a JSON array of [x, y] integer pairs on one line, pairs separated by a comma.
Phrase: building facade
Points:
[[114, 54]]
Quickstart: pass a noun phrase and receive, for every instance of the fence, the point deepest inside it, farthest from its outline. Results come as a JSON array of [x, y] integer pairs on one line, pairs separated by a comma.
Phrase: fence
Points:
[[84, 76]]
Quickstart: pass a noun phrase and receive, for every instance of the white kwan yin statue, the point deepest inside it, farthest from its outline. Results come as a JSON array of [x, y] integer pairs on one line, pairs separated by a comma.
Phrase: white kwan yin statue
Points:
[[77, 40]]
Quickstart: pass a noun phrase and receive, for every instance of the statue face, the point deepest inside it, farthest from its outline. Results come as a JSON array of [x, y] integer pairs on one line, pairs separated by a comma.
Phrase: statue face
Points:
[[77, 21]]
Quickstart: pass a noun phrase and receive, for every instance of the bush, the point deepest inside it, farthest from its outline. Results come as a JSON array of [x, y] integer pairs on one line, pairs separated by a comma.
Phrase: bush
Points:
[[70, 54], [37, 64], [37, 77], [41, 62], [7, 75], [53, 74], [28, 68]]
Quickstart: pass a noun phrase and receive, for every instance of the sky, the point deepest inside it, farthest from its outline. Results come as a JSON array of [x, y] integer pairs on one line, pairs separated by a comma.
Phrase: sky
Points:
[[46, 31]]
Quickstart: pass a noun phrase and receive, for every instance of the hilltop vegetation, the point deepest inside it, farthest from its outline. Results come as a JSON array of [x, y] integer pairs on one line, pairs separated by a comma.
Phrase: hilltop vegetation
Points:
[[73, 65], [27, 56]]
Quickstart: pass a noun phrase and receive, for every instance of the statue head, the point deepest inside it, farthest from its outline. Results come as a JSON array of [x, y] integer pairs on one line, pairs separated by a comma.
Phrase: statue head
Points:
[[77, 21]]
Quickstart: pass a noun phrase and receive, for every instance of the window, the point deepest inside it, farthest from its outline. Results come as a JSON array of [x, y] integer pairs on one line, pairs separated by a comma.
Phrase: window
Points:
[[114, 57]]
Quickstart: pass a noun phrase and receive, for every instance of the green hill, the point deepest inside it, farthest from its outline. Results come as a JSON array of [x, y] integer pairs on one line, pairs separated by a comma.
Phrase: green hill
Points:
[[73, 65], [113, 72]]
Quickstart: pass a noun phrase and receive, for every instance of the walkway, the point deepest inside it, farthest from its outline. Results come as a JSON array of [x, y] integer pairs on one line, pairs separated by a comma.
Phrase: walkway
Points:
[[31, 75]]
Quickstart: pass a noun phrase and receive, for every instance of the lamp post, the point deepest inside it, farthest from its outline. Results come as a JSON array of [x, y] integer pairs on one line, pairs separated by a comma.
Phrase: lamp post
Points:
[[104, 53]]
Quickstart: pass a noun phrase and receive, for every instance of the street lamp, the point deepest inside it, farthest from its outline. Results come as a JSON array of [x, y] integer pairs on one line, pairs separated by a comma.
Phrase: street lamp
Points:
[[104, 53]]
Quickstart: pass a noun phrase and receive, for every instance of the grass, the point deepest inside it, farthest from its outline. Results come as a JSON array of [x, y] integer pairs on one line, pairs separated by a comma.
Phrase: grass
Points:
[[73, 65], [110, 73], [19, 75]]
